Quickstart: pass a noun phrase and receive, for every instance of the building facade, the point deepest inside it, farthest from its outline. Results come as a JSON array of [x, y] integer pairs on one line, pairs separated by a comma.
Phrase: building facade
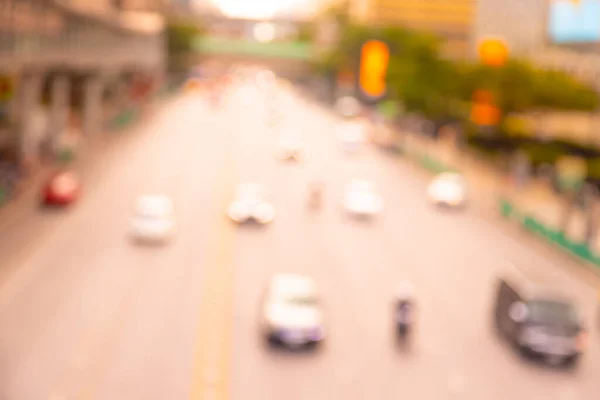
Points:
[[452, 20], [532, 31], [63, 61]]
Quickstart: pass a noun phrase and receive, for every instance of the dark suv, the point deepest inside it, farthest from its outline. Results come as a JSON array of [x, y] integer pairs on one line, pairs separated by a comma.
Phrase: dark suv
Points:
[[539, 321]]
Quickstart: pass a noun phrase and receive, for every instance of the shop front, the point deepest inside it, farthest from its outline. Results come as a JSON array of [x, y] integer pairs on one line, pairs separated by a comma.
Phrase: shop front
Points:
[[9, 143]]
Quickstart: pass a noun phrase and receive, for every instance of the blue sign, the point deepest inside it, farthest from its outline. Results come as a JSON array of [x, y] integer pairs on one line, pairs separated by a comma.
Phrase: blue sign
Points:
[[574, 21]]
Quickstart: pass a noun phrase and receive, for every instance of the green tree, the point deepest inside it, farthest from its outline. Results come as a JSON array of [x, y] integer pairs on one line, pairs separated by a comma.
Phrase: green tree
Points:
[[306, 33], [420, 78], [519, 86], [181, 36], [345, 54], [180, 44], [557, 90]]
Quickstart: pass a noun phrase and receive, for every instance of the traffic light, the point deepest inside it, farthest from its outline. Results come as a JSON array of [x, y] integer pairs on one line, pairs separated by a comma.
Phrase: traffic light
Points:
[[374, 61], [483, 110]]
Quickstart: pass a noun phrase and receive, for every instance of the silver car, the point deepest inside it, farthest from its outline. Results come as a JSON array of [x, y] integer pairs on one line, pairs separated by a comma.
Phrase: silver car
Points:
[[292, 314]]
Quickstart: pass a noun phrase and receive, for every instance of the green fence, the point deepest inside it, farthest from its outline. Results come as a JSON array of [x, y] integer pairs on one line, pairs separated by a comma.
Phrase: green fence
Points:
[[65, 156], [538, 228], [429, 162], [124, 119], [3, 195]]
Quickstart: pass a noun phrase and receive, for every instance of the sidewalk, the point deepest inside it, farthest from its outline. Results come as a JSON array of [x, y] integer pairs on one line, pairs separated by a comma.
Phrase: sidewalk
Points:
[[535, 206], [23, 207]]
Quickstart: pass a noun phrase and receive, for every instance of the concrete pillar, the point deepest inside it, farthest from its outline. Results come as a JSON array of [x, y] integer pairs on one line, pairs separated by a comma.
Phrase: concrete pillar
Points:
[[92, 105], [32, 127], [61, 104]]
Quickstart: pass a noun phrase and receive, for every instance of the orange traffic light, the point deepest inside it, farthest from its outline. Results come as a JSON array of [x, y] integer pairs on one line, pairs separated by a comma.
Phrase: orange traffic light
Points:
[[374, 61], [484, 111], [493, 52]]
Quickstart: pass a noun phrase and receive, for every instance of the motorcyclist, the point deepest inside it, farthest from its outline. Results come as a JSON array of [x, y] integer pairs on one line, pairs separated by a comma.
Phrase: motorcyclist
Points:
[[404, 308]]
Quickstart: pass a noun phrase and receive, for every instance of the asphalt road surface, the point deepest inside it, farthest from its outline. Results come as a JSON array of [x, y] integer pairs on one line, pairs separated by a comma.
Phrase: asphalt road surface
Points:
[[86, 314]]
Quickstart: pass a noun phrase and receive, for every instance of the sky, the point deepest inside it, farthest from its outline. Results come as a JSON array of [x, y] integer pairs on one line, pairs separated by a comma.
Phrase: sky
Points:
[[260, 9]]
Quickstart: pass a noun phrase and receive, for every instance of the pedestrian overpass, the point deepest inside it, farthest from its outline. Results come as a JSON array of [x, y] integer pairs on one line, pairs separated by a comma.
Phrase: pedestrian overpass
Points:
[[284, 58]]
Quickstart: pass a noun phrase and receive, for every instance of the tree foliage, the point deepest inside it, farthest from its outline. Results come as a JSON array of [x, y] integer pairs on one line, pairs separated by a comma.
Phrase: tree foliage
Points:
[[519, 86], [425, 82], [306, 33], [180, 37]]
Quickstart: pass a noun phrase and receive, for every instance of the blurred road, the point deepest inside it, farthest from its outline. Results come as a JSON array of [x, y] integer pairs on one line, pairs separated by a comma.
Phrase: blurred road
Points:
[[85, 314], [452, 258]]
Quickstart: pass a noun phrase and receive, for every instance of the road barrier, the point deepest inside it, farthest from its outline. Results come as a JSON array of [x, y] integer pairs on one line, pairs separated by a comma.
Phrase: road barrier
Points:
[[557, 238]]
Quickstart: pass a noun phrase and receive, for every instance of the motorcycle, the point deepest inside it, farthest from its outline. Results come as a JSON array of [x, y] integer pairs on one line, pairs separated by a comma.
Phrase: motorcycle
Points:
[[404, 319]]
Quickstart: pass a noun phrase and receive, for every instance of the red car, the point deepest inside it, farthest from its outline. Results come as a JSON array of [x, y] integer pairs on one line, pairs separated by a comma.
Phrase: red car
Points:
[[61, 189]]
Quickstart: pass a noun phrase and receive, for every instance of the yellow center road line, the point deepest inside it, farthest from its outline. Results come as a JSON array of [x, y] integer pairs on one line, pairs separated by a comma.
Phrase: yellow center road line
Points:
[[211, 374], [91, 353]]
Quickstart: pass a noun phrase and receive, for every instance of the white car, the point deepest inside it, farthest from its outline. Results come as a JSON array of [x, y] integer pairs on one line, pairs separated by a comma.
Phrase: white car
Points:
[[448, 189], [352, 135], [362, 199], [290, 149], [154, 219], [251, 204], [292, 314]]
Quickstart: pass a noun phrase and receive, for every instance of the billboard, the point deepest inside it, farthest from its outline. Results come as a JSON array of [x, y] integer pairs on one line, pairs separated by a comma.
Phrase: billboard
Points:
[[574, 21]]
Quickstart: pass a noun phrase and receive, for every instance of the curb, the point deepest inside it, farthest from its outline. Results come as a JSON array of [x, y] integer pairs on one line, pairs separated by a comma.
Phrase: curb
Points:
[[428, 162], [557, 239]]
